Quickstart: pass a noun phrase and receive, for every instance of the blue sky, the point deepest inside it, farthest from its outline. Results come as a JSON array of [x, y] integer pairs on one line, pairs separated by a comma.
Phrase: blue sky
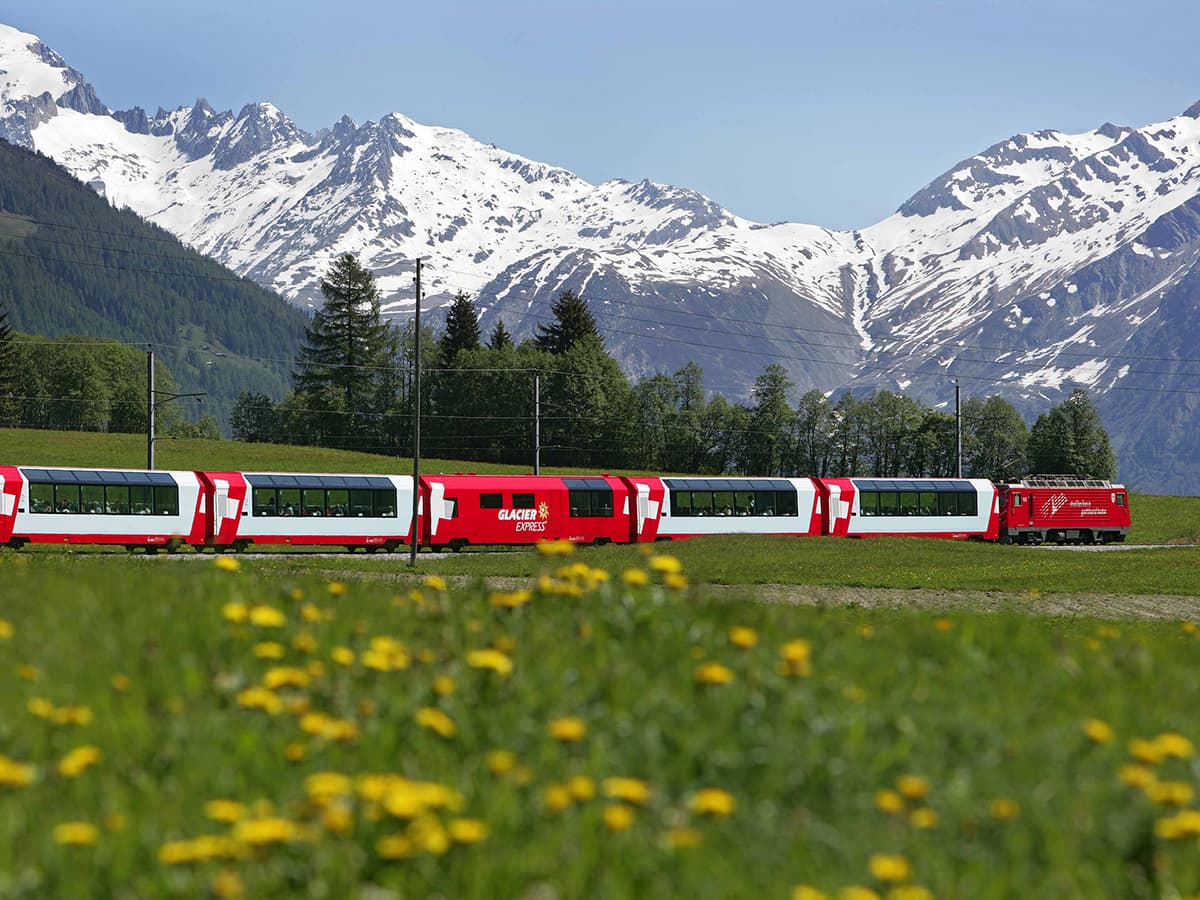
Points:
[[830, 113]]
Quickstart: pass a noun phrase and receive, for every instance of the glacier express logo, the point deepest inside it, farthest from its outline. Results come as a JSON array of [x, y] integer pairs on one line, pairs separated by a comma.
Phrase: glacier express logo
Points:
[[527, 519]]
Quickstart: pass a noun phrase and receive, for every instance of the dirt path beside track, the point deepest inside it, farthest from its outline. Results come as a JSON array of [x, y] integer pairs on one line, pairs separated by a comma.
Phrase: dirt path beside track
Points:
[[1104, 606]]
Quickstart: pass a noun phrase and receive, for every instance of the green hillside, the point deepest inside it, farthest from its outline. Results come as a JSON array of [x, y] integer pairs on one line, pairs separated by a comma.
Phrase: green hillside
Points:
[[71, 264]]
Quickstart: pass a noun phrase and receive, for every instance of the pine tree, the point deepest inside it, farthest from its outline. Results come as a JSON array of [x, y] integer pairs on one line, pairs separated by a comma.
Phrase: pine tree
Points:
[[1070, 439], [347, 349], [500, 338], [462, 328], [572, 322], [8, 370]]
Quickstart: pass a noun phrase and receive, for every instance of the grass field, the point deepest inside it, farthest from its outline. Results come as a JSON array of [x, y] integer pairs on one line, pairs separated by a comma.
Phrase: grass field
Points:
[[174, 729], [605, 726]]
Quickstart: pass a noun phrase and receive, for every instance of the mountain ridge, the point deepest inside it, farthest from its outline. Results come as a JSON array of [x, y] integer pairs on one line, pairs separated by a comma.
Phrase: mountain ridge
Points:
[[1042, 246]]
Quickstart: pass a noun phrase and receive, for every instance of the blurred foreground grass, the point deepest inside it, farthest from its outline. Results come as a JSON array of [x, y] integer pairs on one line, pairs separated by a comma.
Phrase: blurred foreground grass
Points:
[[226, 728]]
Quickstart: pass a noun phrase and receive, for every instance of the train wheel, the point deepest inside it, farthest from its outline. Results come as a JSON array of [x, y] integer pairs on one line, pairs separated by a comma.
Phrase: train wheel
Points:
[[457, 544], [152, 551], [173, 545], [371, 549]]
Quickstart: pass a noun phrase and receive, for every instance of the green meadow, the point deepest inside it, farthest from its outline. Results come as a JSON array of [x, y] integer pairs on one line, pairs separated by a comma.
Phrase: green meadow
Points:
[[611, 722]]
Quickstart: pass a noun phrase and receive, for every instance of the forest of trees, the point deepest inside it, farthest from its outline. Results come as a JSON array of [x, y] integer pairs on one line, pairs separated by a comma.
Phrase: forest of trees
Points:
[[353, 387]]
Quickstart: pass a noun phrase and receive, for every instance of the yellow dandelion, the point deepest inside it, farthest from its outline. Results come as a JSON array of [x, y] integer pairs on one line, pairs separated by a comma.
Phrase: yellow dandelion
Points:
[[467, 831], [631, 790], [121, 683], [1146, 751], [1174, 745], [618, 817], [295, 752], [228, 811], [568, 729], [266, 830], [796, 658], [343, 656], [227, 885], [235, 612], [6, 630], [555, 548], [285, 676], [943, 624], [923, 817], [490, 659], [857, 892], [1004, 809], [743, 637], [435, 583], [665, 564], [15, 774], [808, 892], [890, 867], [556, 798], [267, 617], [635, 577], [713, 802], [1170, 793], [501, 762], [73, 715], [114, 823], [336, 588], [866, 631], [1098, 731], [26, 672], [909, 892], [1135, 776], [76, 762], [437, 721], [889, 801], [75, 834], [713, 673], [260, 698], [581, 787], [443, 685], [676, 581], [914, 787], [269, 650], [510, 600], [394, 846], [327, 786], [227, 564], [337, 819]]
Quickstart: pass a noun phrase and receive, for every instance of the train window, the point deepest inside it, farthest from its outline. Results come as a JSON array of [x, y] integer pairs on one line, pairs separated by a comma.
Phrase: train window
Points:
[[723, 503], [1120, 499], [522, 501], [91, 499], [927, 501], [451, 507], [948, 503], [590, 503], [337, 502], [141, 499], [868, 503], [908, 503], [116, 499], [785, 504], [966, 503], [490, 501], [41, 498], [681, 503], [312, 502], [889, 503], [702, 503], [360, 503], [66, 498], [289, 501], [1016, 501], [384, 504], [265, 502], [166, 500], [744, 503]]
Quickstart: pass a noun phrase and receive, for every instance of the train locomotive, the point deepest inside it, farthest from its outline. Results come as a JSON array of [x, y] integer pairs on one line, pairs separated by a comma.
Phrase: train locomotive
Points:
[[232, 511]]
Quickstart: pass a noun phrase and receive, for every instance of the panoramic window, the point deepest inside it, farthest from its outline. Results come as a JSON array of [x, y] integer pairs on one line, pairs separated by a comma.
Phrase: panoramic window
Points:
[[491, 501]]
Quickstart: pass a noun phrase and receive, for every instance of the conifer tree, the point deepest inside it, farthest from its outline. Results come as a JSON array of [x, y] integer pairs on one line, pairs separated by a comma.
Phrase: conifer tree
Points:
[[462, 328], [8, 370], [347, 352], [500, 338], [572, 322]]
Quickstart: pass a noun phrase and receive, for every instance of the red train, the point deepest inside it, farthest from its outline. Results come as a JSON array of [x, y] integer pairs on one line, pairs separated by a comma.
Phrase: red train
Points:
[[234, 510]]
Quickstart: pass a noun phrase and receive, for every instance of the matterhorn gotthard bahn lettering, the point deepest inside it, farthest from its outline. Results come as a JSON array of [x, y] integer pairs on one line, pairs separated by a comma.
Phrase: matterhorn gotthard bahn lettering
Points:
[[1044, 263]]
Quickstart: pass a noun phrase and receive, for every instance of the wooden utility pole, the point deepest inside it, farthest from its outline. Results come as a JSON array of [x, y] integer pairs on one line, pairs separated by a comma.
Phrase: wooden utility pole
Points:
[[416, 503], [537, 425], [150, 407]]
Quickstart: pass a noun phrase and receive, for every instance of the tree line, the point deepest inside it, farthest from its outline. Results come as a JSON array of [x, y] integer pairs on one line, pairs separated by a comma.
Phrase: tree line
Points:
[[353, 388]]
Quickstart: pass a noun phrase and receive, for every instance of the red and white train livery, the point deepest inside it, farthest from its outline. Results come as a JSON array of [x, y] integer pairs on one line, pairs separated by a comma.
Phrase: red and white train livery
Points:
[[235, 510]]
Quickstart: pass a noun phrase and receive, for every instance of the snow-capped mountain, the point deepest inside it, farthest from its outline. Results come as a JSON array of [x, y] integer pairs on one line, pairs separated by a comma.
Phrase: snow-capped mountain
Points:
[[1045, 262]]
